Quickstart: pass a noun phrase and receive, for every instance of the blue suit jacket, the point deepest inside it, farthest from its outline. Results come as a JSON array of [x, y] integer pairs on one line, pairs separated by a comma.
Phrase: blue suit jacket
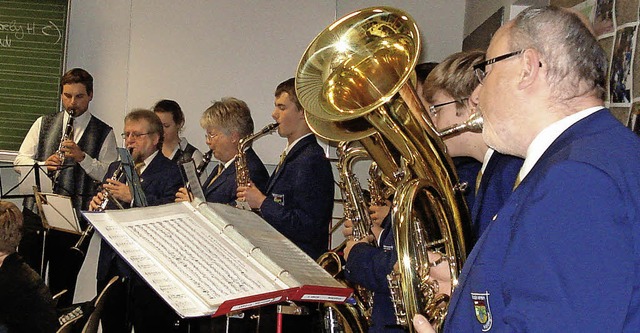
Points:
[[299, 201], [224, 188], [160, 181], [467, 169], [562, 254], [496, 185]]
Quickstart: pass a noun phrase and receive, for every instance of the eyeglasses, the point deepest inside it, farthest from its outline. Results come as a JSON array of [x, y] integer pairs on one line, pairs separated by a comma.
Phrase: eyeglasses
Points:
[[480, 68], [433, 109], [136, 136], [208, 136]]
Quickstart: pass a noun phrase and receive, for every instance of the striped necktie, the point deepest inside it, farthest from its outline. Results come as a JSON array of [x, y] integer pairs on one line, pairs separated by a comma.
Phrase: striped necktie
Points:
[[218, 173], [283, 156]]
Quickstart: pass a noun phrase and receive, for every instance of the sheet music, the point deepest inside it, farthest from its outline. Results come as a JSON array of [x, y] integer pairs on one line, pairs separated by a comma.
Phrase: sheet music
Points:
[[251, 229], [59, 212], [212, 269]]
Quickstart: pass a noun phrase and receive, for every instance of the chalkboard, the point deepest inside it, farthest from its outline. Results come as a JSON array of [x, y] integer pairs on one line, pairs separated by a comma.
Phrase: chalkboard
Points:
[[32, 52]]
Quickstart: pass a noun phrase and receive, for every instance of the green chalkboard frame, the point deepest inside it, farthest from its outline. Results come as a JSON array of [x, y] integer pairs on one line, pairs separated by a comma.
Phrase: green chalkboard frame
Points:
[[33, 40]]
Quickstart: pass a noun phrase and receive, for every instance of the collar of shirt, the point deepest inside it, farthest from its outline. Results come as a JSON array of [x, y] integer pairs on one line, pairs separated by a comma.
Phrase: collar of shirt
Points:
[[289, 147], [148, 160], [79, 124], [229, 162], [487, 157], [547, 136]]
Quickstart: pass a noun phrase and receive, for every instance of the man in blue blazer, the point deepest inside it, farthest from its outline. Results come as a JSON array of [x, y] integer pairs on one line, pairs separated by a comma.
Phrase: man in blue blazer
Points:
[[298, 200], [544, 264], [160, 179], [497, 179], [226, 122]]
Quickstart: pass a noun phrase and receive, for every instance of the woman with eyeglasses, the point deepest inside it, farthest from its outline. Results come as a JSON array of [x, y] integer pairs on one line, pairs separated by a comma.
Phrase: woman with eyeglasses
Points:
[[174, 147], [225, 123]]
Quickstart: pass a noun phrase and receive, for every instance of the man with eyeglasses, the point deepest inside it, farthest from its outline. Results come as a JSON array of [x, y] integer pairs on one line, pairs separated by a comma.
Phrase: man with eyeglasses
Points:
[[87, 152], [160, 180], [562, 253]]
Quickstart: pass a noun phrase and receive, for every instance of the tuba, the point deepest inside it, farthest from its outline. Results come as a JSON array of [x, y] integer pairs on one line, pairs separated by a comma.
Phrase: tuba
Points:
[[355, 81]]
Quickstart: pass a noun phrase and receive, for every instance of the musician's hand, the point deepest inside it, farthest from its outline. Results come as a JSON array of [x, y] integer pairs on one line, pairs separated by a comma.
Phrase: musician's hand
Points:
[[72, 150], [183, 195], [251, 195], [53, 162], [347, 229], [378, 213], [120, 191], [421, 324], [351, 243], [96, 202], [439, 273]]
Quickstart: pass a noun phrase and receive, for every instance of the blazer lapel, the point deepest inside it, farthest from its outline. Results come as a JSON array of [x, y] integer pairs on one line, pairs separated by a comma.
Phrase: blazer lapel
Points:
[[290, 156]]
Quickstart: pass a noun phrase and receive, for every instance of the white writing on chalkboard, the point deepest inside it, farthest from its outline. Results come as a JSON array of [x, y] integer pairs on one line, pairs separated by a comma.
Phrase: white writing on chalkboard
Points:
[[17, 30]]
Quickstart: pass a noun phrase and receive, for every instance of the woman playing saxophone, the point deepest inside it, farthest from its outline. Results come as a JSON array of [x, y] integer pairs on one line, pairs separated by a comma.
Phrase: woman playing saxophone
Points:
[[226, 122]]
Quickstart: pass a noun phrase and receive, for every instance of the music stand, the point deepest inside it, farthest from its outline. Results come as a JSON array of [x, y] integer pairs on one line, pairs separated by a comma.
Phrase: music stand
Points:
[[133, 179], [191, 181]]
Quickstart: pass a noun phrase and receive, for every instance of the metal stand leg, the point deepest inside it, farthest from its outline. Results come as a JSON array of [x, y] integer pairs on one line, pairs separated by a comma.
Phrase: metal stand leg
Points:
[[44, 244], [290, 309]]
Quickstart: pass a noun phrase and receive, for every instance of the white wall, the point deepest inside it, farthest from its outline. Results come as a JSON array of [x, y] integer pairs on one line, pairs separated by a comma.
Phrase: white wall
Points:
[[196, 51]]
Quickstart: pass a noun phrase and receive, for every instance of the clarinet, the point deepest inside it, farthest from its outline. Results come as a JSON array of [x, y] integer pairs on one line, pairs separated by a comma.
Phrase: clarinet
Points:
[[206, 158], [66, 136]]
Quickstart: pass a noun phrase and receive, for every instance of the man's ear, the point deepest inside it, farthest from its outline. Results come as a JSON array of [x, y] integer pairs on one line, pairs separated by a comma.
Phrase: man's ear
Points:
[[530, 68]]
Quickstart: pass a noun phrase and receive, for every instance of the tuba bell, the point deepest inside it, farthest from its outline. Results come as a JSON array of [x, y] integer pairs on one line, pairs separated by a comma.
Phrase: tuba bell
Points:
[[355, 81]]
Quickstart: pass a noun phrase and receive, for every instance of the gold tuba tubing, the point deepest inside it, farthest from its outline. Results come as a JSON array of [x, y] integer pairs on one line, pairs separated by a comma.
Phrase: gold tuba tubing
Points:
[[355, 83]]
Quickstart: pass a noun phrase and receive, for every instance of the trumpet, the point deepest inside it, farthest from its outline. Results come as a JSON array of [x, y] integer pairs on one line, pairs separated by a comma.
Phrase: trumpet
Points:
[[106, 195], [68, 132]]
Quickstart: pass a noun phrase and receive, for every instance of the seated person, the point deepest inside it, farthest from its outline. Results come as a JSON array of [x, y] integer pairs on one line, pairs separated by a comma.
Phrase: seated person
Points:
[[26, 304], [226, 122], [160, 179]]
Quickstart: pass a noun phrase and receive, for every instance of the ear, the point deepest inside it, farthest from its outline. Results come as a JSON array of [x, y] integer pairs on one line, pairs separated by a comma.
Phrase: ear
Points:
[[91, 96], [530, 68], [474, 99]]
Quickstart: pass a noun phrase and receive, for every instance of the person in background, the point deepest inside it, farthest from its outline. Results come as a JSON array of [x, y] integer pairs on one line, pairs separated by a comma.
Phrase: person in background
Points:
[[175, 148], [225, 123], [26, 304], [160, 179], [542, 97], [87, 154]]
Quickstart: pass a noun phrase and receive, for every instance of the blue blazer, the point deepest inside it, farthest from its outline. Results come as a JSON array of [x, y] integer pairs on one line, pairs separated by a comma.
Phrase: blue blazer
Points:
[[496, 185], [467, 169], [562, 253], [160, 181], [368, 266], [299, 201], [224, 188]]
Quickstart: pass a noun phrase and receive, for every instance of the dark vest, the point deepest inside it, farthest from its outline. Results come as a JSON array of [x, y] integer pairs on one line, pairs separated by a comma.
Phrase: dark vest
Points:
[[73, 180]]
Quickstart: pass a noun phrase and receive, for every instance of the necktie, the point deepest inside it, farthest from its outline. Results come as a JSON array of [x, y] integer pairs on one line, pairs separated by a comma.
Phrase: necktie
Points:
[[518, 180], [138, 167], [283, 156], [219, 172]]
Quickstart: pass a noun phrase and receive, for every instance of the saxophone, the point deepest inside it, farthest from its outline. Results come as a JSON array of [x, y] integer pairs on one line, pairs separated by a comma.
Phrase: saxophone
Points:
[[358, 315], [242, 171]]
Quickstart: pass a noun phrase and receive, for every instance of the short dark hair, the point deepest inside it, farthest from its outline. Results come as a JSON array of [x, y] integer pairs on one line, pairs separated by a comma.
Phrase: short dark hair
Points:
[[78, 75], [170, 106], [289, 86], [10, 227], [155, 124]]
